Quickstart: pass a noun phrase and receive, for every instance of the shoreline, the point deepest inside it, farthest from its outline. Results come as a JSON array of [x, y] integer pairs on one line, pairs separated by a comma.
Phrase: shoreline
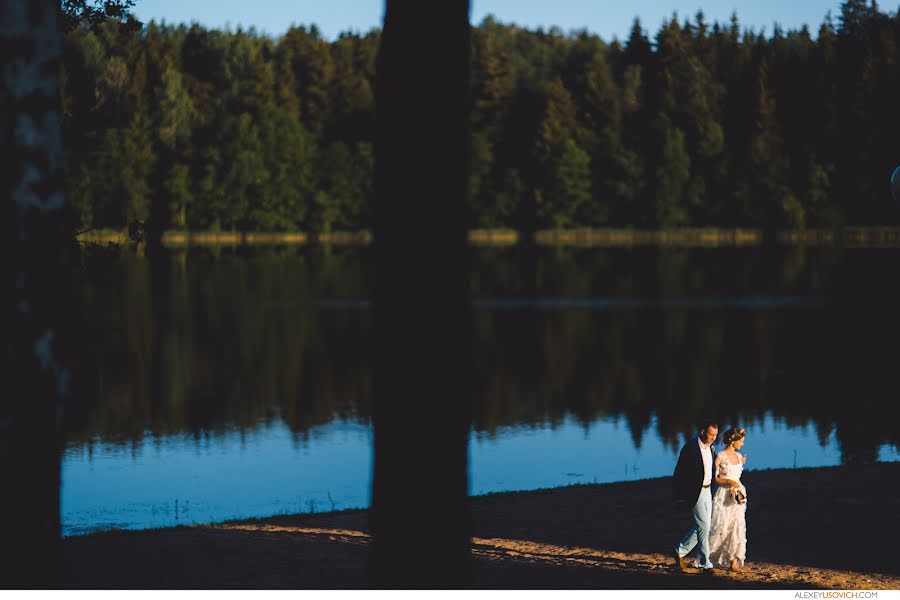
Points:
[[603, 237], [818, 527]]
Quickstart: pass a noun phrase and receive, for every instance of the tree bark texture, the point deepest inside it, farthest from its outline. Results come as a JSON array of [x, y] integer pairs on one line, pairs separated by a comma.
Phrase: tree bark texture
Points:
[[421, 298], [36, 249]]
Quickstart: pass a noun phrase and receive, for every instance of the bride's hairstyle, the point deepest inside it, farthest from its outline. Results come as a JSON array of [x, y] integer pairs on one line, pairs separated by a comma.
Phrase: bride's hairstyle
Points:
[[733, 435]]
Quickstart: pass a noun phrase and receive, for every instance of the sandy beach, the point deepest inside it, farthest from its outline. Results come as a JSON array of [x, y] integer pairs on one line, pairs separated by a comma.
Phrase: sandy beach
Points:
[[828, 528]]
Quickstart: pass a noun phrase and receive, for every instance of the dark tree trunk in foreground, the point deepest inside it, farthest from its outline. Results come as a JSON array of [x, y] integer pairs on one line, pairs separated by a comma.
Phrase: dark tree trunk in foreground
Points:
[[419, 517], [35, 244]]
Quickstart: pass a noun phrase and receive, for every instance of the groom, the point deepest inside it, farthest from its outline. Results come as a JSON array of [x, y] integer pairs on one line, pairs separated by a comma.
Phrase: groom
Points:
[[692, 478]]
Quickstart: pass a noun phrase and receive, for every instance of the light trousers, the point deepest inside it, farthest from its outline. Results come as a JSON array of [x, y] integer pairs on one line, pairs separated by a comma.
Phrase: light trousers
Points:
[[698, 534]]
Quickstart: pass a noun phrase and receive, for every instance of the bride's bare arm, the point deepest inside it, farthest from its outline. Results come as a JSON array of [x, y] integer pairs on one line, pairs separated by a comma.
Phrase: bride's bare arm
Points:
[[723, 480]]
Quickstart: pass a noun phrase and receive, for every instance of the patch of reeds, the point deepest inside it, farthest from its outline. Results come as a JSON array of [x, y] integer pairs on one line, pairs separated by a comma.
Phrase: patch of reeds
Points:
[[229, 238], [493, 237], [345, 238], [702, 236], [852, 237], [587, 237], [103, 236]]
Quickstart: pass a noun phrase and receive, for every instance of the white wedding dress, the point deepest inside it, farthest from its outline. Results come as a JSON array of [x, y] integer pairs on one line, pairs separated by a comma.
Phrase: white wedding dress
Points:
[[728, 532]]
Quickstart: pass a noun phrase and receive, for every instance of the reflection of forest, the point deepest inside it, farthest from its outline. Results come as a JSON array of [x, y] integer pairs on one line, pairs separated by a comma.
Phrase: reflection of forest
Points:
[[202, 341], [225, 340]]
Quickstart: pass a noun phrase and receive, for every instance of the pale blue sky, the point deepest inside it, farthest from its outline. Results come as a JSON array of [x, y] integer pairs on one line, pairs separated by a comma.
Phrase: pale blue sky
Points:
[[608, 18]]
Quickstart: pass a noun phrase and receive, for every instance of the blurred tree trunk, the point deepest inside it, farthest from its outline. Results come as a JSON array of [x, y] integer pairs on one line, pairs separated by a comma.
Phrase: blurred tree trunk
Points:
[[419, 516], [36, 249]]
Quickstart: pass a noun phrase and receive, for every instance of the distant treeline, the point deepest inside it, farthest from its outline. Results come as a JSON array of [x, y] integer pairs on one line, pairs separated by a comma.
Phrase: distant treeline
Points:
[[707, 124]]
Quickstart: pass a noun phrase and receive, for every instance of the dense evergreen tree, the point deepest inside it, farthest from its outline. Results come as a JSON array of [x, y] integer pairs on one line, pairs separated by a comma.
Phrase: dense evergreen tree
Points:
[[707, 124]]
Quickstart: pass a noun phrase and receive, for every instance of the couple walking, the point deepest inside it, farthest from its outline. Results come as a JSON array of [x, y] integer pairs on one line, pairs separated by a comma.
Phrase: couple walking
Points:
[[719, 530]]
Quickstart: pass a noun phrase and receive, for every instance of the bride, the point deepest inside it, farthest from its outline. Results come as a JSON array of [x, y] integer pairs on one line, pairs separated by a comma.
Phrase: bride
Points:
[[728, 531]]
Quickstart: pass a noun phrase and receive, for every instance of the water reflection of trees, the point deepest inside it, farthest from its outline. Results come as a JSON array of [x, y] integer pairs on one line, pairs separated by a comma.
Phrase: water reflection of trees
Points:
[[241, 342], [238, 339]]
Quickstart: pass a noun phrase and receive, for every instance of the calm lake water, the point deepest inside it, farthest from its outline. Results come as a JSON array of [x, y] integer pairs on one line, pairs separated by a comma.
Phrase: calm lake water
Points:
[[213, 385]]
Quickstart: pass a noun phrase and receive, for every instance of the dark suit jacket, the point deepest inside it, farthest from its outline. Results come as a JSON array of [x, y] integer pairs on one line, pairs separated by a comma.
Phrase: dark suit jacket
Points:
[[688, 476]]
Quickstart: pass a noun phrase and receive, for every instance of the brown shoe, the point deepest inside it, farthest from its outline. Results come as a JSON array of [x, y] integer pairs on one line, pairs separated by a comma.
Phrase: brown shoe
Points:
[[679, 562]]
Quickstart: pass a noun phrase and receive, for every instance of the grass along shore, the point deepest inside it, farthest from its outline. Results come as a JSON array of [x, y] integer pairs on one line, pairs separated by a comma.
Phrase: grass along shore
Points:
[[606, 237]]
